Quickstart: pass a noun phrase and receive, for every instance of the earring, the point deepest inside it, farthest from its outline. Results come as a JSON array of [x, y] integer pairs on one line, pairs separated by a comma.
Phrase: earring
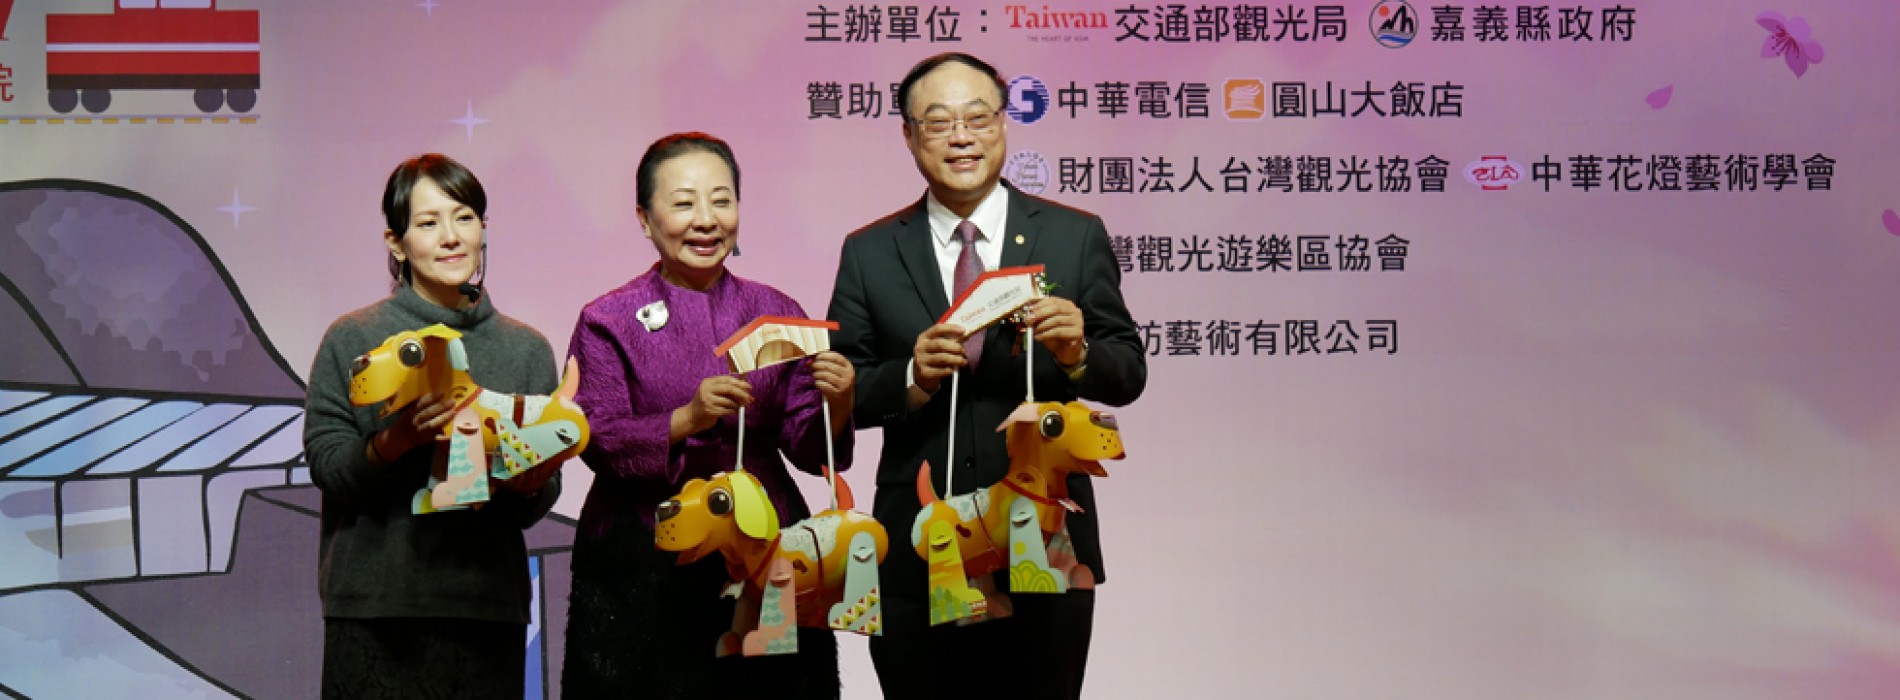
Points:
[[402, 259]]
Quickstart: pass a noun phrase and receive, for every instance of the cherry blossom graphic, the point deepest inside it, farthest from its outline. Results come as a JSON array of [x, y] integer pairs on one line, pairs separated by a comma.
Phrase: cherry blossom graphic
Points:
[[1791, 39], [1892, 221], [1660, 98]]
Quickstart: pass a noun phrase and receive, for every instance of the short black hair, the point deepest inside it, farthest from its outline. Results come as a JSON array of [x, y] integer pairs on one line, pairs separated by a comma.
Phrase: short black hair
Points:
[[455, 180], [673, 146], [924, 67]]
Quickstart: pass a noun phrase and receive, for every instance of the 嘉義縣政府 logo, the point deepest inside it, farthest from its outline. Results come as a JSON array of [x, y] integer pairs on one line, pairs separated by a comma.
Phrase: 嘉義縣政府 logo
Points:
[[1028, 171], [1243, 99], [1394, 23], [1028, 99], [1494, 173]]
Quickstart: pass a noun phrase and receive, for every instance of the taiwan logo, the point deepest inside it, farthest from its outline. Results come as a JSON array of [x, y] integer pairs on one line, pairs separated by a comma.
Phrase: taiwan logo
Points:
[[1494, 173], [1028, 99], [1028, 171], [1394, 24]]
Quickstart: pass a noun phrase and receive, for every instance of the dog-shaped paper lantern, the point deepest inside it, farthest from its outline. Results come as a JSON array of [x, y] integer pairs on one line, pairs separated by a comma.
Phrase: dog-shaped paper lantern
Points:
[[1017, 523], [492, 434], [820, 572]]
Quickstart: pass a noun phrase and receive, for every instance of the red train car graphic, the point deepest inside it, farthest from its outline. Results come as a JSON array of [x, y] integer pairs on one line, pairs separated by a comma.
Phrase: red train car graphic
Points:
[[153, 45]]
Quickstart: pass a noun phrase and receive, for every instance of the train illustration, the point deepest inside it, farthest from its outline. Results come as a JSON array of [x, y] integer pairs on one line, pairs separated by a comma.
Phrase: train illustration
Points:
[[153, 45]]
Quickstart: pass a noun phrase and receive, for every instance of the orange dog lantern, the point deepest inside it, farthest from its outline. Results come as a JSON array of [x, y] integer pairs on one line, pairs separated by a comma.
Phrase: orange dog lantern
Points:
[[1017, 523], [492, 435], [819, 572]]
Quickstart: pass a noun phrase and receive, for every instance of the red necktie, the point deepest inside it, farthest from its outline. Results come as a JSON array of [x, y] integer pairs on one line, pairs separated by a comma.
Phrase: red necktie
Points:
[[969, 267]]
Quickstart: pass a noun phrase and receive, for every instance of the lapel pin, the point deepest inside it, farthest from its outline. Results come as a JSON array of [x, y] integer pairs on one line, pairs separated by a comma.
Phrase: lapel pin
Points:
[[653, 316], [1019, 239]]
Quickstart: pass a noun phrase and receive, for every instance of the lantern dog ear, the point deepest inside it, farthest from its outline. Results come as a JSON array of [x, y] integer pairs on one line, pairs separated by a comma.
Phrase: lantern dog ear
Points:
[[752, 508]]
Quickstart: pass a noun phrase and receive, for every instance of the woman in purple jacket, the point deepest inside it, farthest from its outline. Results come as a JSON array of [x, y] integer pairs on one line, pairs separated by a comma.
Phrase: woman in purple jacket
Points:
[[664, 409]]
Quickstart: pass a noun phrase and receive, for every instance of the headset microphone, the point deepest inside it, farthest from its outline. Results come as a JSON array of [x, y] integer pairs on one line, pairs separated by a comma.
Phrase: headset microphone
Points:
[[474, 290]]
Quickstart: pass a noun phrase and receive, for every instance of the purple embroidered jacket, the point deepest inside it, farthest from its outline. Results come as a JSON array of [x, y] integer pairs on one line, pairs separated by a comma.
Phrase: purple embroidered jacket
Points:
[[633, 378]]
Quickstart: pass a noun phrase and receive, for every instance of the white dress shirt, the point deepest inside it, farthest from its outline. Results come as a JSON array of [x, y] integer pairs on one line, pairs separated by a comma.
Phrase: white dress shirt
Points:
[[991, 218]]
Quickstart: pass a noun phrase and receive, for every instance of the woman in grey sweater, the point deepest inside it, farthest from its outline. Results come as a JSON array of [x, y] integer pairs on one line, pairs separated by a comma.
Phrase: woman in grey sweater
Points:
[[422, 606]]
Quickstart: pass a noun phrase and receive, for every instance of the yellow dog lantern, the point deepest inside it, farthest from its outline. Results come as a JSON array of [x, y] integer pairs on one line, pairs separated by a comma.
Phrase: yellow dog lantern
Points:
[[1018, 522], [492, 435], [819, 572]]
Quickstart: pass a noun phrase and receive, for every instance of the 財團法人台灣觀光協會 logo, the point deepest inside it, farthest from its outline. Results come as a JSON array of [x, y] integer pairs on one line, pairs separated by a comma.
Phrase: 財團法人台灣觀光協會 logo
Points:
[[1028, 171]]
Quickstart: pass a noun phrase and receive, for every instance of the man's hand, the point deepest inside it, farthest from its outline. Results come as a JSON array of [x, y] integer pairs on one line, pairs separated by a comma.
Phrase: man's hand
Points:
[[938, 354], [1057, 324]]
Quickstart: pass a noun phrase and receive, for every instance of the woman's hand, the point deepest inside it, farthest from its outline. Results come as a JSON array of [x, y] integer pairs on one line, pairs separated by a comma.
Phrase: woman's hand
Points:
[[529, 483], [716, 398], [837, 381], [418, 425]]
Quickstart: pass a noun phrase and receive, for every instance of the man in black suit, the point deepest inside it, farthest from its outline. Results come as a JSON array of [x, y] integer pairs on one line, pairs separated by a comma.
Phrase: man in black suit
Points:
[[895, 278]]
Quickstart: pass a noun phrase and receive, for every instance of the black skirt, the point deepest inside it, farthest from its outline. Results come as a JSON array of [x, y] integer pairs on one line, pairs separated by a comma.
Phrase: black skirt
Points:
[[406, 657], [640, 625]]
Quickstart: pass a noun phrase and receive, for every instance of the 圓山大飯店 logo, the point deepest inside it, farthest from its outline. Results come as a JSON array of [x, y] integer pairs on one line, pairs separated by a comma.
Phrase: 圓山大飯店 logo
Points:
[[1243, 99], [1028, 99], [1394, 23], [1494, 173], [1028, 171]]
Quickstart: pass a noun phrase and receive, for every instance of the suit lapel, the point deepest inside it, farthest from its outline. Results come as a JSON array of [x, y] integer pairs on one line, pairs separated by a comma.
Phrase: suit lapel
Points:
[[1021, 227], [916, 249]]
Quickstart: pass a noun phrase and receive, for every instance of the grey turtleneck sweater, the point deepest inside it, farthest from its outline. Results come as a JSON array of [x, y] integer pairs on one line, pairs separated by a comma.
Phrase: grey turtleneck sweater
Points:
[[378, 560]]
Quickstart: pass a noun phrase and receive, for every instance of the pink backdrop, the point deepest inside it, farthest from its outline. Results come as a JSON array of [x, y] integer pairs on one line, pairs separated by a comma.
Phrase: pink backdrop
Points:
[[1630, 444]]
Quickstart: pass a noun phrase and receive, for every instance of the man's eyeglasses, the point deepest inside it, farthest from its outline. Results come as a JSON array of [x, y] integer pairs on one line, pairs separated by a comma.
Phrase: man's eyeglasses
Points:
[[939, 127]]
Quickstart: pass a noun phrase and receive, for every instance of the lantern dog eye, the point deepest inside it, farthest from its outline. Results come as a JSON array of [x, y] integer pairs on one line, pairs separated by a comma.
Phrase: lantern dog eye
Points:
[[1051, 425], [719, 502], [410, 354]]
